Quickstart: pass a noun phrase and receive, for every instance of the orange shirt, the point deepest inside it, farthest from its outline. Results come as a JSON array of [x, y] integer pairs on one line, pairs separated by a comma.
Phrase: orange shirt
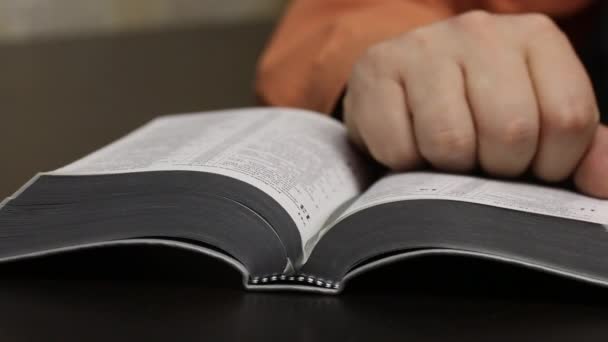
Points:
[[309, 58]]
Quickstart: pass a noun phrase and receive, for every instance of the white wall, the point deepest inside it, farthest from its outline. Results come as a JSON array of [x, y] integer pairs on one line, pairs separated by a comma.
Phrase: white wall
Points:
[[24, 19]]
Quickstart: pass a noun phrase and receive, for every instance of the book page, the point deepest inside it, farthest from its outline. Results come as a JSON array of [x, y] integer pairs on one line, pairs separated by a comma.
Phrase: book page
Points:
[[302, 159], [504, 194]]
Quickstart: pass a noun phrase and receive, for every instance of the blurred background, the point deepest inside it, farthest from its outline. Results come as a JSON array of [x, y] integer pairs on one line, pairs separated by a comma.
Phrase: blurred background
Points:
[[77, 74], [27, 19]]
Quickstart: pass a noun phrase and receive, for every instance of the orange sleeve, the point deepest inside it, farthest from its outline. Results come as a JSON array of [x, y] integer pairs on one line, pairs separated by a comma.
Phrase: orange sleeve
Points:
[[308, 60]]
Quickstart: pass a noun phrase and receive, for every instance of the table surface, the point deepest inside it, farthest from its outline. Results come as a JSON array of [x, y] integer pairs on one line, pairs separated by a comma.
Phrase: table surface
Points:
[[162, 294], [62, 99]]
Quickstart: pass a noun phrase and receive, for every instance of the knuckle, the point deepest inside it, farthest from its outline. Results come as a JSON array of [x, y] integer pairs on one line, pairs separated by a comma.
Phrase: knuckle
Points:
[[539, 22], [360, 69], [518, 132], [420, 38], [475, 21], [577, 117], [376, 53], [450, 146], [374, 59]]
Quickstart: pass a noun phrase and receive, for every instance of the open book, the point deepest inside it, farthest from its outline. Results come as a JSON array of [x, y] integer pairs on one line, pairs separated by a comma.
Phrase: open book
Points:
[[282, 196]]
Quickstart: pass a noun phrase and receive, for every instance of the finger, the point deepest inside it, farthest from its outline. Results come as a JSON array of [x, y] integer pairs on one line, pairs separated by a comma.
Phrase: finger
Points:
[[568, 109], [504, 108], [376, 106], [351, 126], [443, 125], [591, 177]]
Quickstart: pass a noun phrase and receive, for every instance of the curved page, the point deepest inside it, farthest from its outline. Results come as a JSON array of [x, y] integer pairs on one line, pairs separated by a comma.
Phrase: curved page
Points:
[[301, 159]]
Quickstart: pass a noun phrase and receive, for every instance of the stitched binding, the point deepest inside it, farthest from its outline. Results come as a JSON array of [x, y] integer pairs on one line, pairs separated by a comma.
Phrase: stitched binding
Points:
[[302, 279]]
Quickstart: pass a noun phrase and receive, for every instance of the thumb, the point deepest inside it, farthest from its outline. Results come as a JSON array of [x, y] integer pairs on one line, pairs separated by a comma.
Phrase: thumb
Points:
[[591, 177]]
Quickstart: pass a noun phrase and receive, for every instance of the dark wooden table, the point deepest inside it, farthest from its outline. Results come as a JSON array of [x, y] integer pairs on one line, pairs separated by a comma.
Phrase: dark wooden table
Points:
[[156, 294], [59, 100]]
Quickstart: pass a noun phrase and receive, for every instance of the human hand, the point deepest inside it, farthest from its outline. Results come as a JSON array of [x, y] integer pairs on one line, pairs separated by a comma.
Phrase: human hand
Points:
[[506, 93]]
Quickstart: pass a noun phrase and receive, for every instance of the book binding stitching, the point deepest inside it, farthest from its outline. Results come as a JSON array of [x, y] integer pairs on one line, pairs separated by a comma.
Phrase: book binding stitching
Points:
[[305, 279]]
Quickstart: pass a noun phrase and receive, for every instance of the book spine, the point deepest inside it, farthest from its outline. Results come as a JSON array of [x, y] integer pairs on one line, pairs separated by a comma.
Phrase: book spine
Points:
[[293, 279]]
